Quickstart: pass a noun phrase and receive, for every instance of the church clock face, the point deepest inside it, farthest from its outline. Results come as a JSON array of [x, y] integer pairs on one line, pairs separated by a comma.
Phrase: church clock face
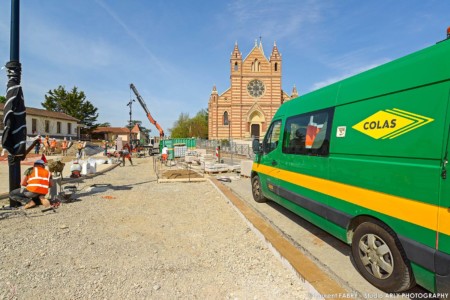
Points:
[[256, 88]]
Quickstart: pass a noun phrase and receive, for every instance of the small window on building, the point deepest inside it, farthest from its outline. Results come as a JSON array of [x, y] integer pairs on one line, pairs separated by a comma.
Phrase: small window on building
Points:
[[225, 118], [47, 126], [58, 127], [308, 134], [276, 66], [236, 67], [69, 128], [256, 66], [34, 126]]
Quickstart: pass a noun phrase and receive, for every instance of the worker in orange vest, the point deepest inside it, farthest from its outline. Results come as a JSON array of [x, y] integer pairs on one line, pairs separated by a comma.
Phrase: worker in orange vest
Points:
[[64, 145], [53, 145], [35, 185]]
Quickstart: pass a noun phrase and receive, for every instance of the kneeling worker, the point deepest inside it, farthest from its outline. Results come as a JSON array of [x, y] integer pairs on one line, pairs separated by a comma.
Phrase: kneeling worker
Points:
[[35, 185]]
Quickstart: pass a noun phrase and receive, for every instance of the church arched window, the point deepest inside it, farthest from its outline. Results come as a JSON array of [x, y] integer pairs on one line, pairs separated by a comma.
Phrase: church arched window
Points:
[[276, 66], [235, 66], [225, 118], [256, 66]]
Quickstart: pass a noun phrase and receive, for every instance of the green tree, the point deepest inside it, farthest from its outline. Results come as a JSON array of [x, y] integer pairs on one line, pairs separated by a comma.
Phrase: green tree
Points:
[[181, 127], [191, 127], [106, 124], [72, 103], [199, 125], [2, 99]]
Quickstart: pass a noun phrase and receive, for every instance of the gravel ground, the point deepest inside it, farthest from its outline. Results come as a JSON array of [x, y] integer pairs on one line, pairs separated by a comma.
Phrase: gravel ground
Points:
[[132, 238]]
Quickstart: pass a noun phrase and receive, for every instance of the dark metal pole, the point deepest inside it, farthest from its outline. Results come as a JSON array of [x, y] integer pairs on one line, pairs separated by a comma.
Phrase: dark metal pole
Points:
[[130, 104], [15, 30], [13, 162]]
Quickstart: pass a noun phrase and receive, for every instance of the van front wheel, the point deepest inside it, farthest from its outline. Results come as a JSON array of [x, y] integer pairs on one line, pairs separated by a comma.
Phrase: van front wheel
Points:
[[256, 190], [378, 258]]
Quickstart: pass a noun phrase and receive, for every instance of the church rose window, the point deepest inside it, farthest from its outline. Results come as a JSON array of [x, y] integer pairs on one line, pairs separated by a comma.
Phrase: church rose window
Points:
[[256, 88]]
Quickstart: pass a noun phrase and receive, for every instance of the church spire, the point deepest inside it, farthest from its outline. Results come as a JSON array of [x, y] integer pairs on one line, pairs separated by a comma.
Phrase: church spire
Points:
[[275, 53], [214, 95], [214, 90], [294, 93], [236, 60], [275, 59], [236, 54]]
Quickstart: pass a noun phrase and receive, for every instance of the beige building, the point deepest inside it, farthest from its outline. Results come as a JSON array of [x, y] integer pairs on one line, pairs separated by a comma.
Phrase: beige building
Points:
[[47, 123], [246, 108], [113, 133]]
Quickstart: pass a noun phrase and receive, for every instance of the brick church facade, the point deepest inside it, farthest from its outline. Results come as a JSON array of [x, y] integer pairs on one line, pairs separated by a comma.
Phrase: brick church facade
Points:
[[246, 108]]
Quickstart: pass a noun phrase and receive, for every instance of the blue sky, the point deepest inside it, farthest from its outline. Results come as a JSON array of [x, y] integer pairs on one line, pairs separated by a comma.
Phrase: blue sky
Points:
[[175, 51]]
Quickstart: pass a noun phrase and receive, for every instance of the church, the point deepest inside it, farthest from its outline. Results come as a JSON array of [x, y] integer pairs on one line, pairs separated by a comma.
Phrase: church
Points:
[[246, 108]]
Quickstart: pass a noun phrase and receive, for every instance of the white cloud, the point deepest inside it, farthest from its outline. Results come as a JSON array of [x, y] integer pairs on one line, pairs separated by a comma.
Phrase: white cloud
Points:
[[274, 18]]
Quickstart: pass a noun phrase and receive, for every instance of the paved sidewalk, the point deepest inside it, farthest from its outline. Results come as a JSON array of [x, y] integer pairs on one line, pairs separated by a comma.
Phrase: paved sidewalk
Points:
[[329, 253]]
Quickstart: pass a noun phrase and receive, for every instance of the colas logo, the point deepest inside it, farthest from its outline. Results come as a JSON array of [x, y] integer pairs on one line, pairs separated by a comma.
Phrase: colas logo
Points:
[[391, 123]]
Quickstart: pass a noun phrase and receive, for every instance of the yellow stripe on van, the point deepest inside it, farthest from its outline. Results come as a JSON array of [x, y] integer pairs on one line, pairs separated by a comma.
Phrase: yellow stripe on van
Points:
[[412, 211]]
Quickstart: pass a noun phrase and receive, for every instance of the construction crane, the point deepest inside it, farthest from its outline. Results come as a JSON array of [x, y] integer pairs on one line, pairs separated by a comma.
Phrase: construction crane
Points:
[[149, 116]]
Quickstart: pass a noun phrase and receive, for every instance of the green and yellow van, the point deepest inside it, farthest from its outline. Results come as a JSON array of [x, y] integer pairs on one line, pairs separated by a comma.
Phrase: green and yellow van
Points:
[[366, 160]]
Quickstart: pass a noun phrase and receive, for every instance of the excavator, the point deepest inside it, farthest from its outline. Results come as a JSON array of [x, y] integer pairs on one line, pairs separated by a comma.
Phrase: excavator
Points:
[[150, 118]]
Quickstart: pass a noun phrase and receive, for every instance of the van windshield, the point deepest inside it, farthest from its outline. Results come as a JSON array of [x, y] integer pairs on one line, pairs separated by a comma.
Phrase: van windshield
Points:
[[272, 137]]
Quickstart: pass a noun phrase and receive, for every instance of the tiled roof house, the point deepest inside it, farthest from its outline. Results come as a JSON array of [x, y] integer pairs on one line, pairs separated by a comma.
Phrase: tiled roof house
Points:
[[112, 133], [43, 122]]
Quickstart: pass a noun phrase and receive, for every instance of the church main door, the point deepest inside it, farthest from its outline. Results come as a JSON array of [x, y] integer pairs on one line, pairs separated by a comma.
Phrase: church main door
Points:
[[255, 130]]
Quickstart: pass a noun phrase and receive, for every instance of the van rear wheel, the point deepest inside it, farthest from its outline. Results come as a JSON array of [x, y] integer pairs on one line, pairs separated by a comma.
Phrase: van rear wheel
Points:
[[379, 258], [256, 190]]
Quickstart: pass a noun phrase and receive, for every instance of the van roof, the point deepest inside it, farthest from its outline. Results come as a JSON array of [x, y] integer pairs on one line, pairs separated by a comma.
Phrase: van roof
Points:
[[420, 68]]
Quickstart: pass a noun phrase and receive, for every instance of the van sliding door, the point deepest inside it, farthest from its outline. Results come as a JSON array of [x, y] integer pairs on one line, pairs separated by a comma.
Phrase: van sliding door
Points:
[[304, 162]]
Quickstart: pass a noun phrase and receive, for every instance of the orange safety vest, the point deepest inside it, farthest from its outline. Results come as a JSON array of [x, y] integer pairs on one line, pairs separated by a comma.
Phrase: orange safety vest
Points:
[[39, 181], [64, 145]]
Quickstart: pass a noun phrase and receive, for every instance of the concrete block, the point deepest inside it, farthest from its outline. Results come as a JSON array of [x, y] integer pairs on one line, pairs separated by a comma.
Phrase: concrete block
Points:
[[246, 167]]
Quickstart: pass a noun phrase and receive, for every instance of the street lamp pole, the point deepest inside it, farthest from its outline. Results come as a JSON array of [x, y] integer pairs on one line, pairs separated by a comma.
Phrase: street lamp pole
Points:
[[14, 77], [130, 105], [231, 145]]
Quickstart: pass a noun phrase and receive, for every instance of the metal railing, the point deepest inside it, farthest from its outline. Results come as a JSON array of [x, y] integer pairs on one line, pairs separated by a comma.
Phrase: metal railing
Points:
[[226, 147]]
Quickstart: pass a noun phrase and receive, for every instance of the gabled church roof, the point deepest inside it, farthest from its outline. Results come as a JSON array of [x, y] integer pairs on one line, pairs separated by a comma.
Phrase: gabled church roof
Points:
[[257, 47]]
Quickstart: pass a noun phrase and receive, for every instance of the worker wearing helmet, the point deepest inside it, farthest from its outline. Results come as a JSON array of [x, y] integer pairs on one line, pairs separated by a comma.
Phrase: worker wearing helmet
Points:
[[35, 185]]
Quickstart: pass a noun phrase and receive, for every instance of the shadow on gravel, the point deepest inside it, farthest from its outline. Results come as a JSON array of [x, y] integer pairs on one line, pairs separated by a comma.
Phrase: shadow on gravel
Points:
[[100, 188]]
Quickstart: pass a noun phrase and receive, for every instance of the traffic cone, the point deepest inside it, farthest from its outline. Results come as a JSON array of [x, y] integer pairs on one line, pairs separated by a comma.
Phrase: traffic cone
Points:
[[44, 158]]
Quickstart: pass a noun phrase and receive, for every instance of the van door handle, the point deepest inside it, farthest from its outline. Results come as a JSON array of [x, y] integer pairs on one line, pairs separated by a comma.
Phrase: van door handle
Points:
[[274, 163]]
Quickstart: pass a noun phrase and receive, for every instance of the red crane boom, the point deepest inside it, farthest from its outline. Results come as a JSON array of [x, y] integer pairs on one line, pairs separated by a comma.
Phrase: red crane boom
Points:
[[144, 106]]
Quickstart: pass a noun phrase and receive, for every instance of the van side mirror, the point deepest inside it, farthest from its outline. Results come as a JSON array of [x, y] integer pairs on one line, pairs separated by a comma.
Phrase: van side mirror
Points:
[[256, 146]]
